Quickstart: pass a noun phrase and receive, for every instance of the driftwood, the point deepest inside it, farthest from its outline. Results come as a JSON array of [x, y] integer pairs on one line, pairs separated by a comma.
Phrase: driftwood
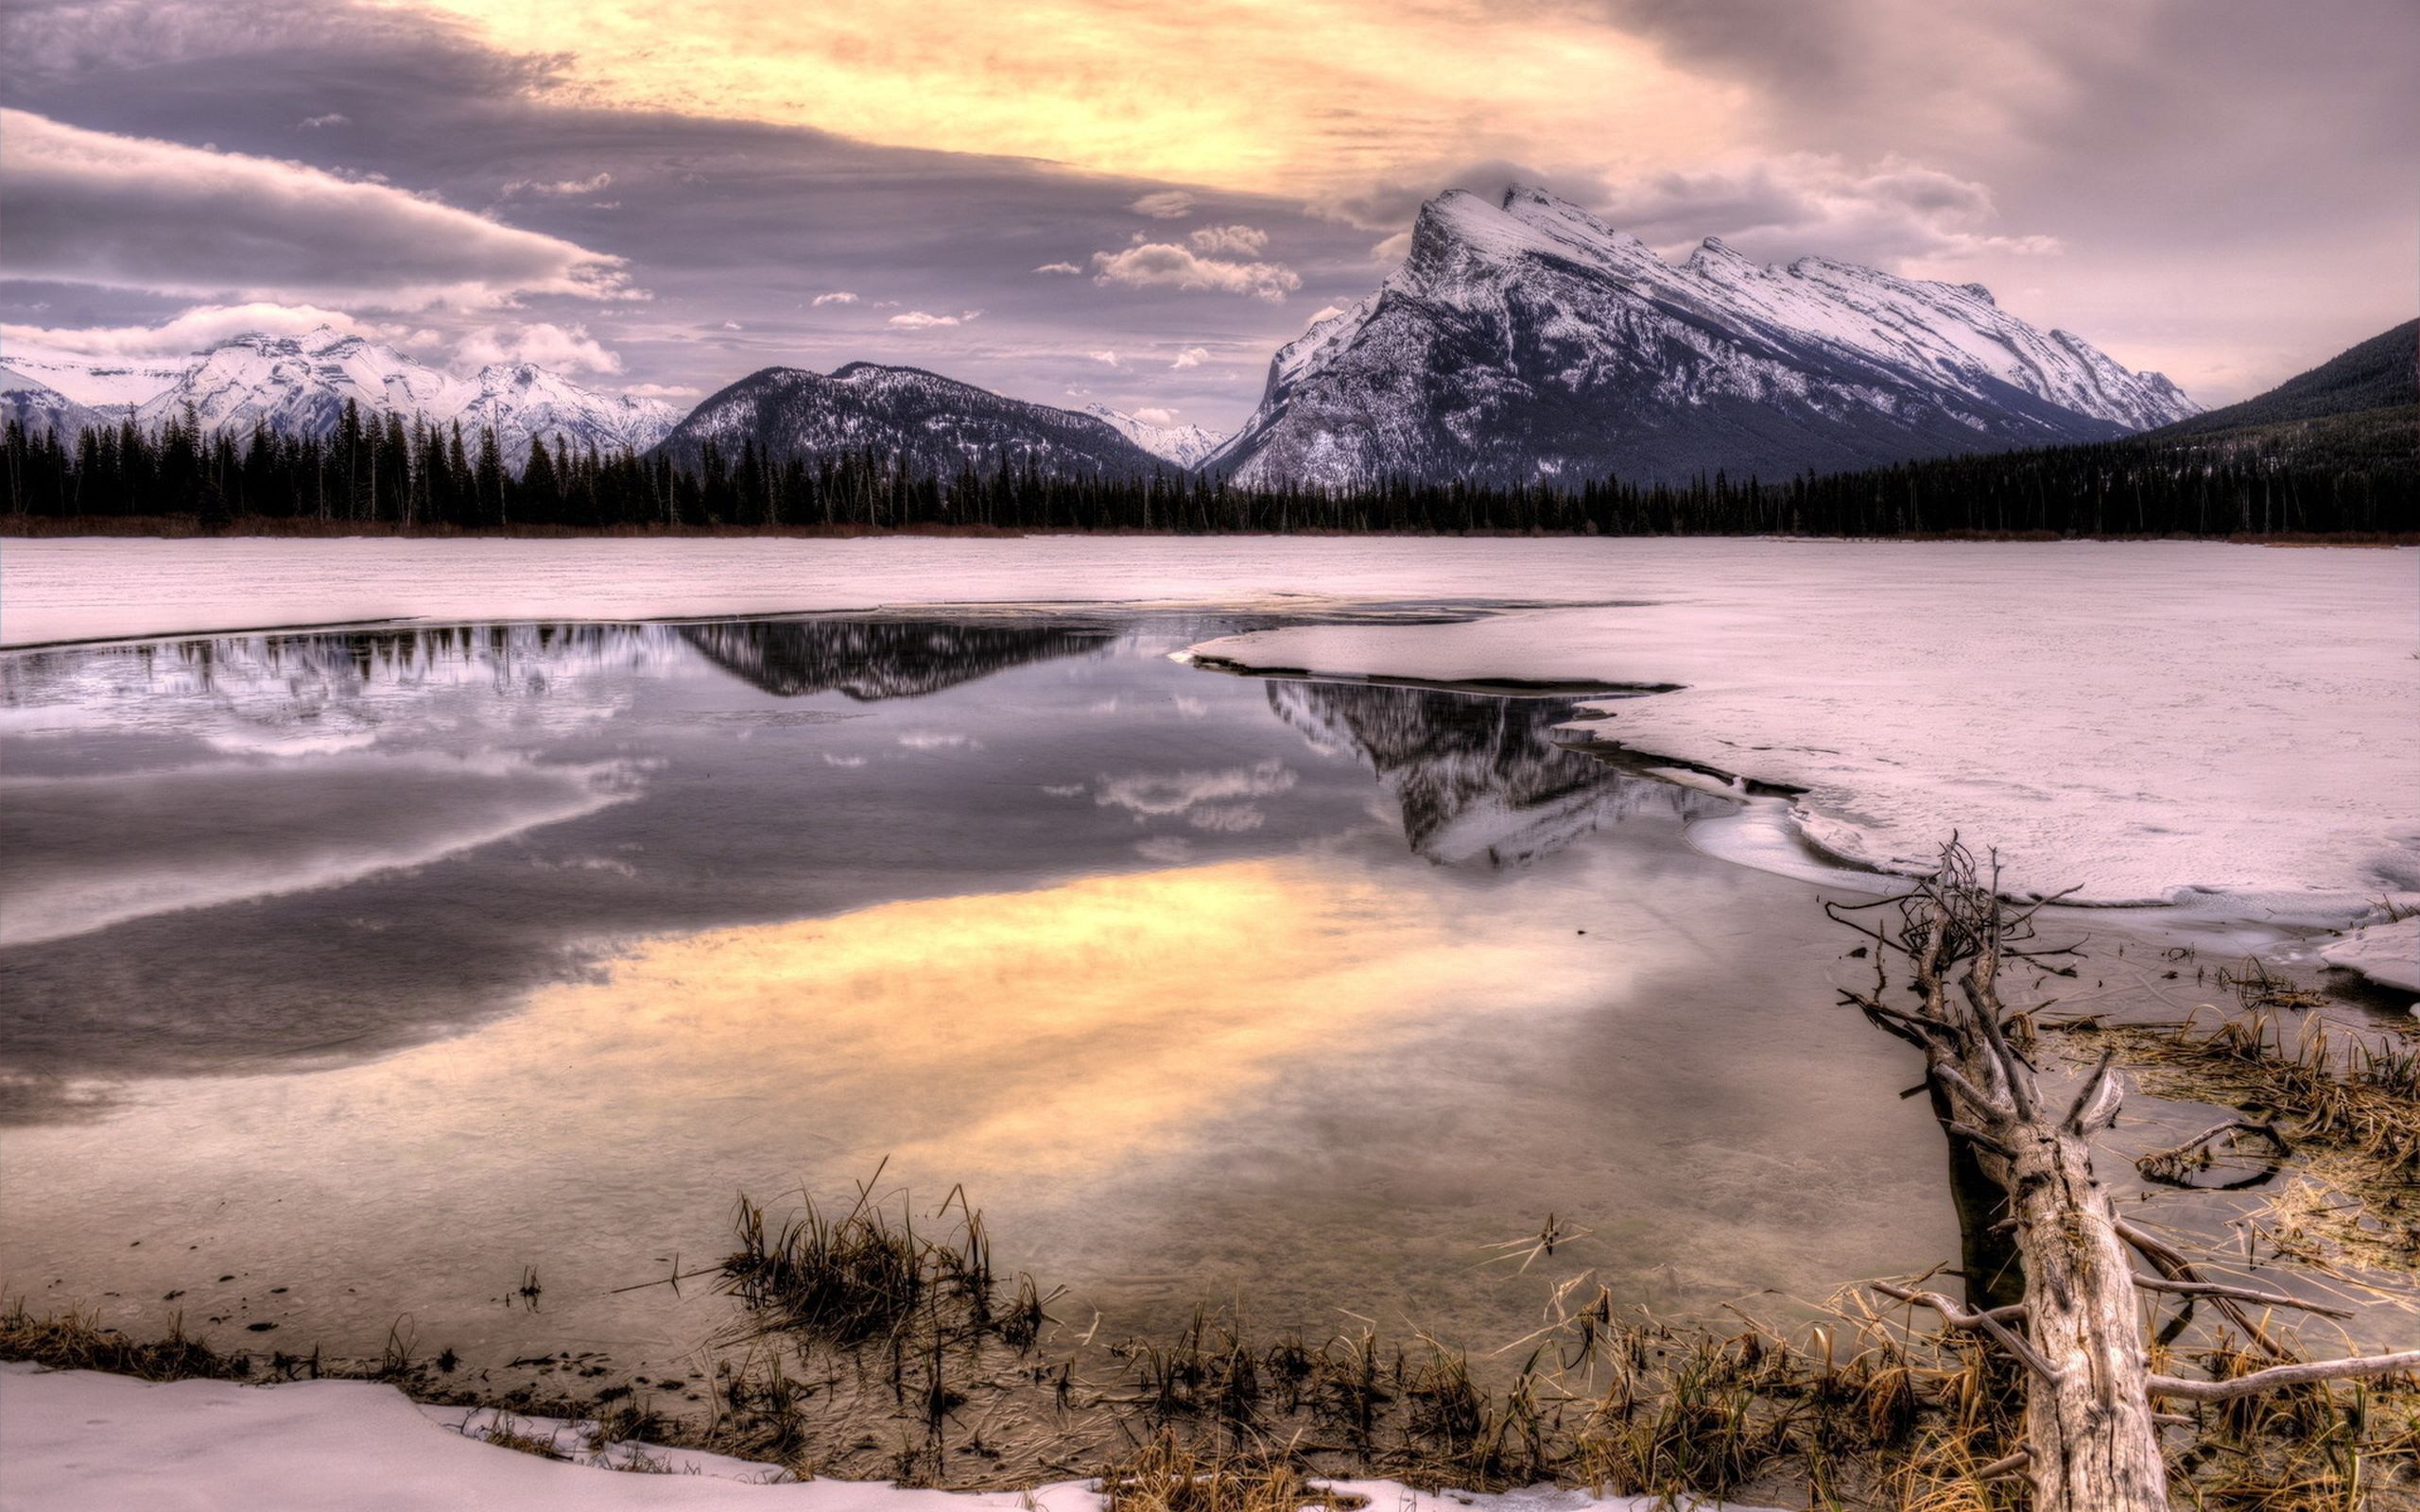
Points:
[[2091, 1430]]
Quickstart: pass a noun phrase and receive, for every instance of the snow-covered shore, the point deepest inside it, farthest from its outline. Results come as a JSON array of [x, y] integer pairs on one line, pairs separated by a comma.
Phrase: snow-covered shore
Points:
[[73, 1441], [2227, 727], [2387, 954]]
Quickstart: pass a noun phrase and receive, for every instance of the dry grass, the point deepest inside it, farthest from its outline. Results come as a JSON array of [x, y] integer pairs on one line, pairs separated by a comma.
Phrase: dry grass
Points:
[[509, 1432], [878, 1342], [2344, 1105], [75, 1341], [1168, 1475]]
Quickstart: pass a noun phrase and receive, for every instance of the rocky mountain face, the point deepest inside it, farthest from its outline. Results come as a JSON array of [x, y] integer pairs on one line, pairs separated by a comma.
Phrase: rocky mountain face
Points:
[[1185, 445], [299, 385], [1528, 340], [927, 423]]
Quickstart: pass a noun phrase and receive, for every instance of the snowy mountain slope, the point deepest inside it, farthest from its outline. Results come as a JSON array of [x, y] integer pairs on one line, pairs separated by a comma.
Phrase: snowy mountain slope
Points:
[[1185, 445], [929, 423], [1528, 339], [110, 385], [523, 400], [299, 385], [39, 408]]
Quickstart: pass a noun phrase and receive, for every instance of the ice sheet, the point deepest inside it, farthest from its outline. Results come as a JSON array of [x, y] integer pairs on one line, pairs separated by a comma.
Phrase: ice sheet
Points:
[[2387, 954]]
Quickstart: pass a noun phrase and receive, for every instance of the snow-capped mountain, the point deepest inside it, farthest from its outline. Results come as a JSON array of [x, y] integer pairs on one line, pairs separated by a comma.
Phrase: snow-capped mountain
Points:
[[923, 421], [1528, 339], [523, 400], [1185, 445], [299, 385]]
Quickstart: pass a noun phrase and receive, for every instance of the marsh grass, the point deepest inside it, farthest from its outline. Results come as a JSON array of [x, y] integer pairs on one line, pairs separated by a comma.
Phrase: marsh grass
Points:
[[2346, 1104], [1166, 1475], [77, 1341], [511, 1433], [879, 1340]]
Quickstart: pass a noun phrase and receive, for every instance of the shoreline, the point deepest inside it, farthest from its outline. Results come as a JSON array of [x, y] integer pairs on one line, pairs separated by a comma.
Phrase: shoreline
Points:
[[268, 527]]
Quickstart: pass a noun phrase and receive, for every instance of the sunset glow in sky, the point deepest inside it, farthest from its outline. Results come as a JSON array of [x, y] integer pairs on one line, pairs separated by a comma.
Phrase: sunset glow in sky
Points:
[[1104, 200]]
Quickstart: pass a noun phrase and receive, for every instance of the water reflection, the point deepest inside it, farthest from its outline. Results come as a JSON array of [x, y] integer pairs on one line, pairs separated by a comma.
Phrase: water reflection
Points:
[[552, 938], [1478, 779], [251, 851], [881, 659]]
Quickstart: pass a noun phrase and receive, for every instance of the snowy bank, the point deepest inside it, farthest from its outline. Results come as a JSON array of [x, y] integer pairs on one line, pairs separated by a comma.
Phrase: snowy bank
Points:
[[2387, 954], [75, 1440]]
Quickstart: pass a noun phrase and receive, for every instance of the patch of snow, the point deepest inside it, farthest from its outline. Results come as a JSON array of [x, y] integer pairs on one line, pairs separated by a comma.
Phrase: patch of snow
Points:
[[77, 1440], [2387, 954]]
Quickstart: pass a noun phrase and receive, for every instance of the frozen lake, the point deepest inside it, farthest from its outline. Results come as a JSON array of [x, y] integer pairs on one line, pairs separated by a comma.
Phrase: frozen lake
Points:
[[2227, 727]]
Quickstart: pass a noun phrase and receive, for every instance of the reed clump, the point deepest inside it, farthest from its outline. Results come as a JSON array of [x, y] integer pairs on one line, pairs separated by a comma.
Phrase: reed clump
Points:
[[868, 1277], [77, 1341]]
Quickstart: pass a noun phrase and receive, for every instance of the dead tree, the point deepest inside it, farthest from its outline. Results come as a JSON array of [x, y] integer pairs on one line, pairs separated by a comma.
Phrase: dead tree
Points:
[[2091, 1429]]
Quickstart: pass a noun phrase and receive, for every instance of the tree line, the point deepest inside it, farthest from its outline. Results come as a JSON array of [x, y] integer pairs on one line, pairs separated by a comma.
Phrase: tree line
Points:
[[2351, 476]]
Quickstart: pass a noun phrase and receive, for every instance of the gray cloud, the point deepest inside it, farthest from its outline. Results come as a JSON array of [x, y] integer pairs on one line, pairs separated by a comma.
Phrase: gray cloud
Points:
[[163, 216], [2209, 168], [1164, 204]]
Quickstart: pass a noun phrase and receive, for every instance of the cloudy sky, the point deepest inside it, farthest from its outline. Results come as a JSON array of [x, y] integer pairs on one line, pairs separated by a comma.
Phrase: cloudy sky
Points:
[[1137, 202]]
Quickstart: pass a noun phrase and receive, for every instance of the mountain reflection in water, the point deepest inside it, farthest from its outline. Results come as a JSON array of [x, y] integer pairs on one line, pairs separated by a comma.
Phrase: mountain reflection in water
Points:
[[880, 659], [241, 852], [372, 965], [1479, 779]]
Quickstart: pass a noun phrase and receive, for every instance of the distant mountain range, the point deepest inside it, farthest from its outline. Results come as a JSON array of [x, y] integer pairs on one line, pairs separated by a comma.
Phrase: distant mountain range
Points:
[[1186, 445], [1522, 340], [299, 385]]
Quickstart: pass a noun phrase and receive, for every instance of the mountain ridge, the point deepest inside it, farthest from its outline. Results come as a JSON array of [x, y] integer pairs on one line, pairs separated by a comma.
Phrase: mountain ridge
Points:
[[931, 424], [2380, 373], [299, 385], [1185, 445], [1527, 340]]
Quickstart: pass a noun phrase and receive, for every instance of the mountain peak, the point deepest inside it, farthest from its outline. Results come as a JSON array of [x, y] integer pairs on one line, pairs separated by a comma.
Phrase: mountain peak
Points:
[[1714, 255], [1525, 338], [1464, 242]]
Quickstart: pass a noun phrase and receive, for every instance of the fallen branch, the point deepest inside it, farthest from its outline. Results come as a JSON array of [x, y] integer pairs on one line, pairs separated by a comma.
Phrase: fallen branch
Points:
[[2279, 1376]]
